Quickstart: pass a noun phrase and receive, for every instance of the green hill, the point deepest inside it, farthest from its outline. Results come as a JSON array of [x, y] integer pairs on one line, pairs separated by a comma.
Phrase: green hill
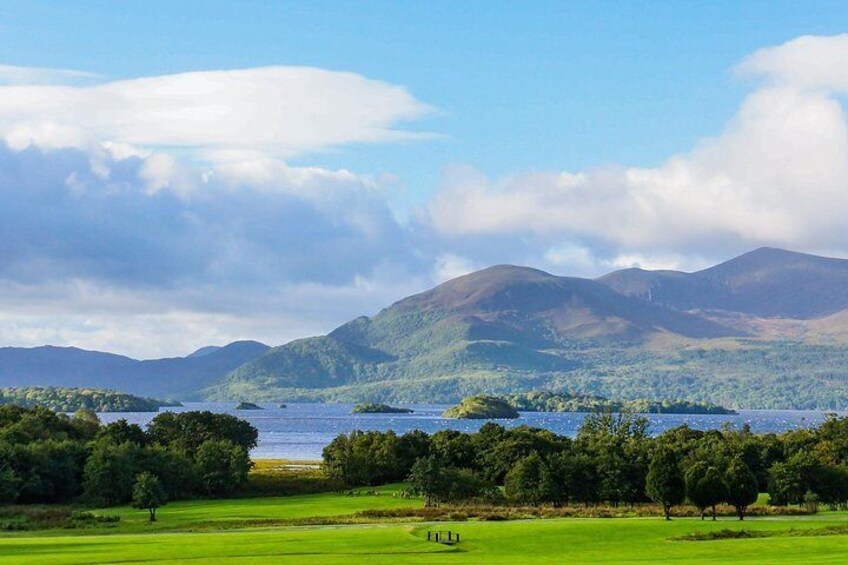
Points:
[[482, 407]]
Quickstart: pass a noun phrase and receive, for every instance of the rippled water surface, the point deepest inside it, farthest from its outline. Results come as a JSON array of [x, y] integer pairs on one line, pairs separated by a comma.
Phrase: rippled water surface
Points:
[[300, 431]]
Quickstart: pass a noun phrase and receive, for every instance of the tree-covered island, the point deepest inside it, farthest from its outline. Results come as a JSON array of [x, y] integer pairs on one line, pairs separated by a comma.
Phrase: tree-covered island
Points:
[[482, 407], [544, 401], [61, 399], [376, 408]]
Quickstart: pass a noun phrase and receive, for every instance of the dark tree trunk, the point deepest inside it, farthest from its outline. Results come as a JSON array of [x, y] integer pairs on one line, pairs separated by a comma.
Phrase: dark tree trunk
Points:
[[152, 514], [714, 513], [667, 510]]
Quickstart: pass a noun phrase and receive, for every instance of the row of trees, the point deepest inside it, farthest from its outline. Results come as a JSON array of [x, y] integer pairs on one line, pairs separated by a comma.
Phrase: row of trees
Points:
[[47, 457], [612, 460]]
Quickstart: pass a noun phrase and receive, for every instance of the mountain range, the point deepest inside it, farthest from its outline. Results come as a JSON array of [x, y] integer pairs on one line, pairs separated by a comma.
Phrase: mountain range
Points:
[[766, 329], [176, 377]]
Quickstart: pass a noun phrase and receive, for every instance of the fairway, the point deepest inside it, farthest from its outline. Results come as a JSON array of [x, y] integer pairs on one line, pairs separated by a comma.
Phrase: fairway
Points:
[[258, 511], [625, 540]]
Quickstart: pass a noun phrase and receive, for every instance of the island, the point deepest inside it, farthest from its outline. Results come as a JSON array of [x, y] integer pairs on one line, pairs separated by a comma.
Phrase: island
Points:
[[375, 408], [544, 401], [482, 407], [282, 405], [248, 406], [71, 399]]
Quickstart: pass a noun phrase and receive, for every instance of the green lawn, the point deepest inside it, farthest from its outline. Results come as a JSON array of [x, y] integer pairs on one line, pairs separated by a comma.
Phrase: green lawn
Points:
[[628, 540], [197, 513]]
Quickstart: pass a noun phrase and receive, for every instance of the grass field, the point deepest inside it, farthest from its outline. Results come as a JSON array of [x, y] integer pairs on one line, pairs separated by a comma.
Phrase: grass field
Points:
[[225, 531]]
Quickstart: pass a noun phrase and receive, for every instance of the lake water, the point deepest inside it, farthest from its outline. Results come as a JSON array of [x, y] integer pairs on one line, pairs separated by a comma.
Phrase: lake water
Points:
[[300, 431]]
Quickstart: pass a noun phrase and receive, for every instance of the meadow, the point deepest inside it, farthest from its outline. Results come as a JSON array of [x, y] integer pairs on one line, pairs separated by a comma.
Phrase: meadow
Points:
[[261, 530]]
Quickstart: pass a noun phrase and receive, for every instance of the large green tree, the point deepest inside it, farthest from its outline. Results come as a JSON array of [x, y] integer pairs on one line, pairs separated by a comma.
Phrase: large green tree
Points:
[[741, 486], [665, 483], [522, 483], [705, 487], [427, 479], [222, 466]]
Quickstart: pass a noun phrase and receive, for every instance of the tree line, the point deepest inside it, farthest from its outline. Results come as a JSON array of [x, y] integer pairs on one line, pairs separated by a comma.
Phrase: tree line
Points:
[[63, 399], [612, 460], [48, 457]]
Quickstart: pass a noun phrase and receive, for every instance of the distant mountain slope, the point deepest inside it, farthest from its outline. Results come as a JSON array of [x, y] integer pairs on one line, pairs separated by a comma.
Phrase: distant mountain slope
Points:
[[766, 282], [72, 367], [503, 318]]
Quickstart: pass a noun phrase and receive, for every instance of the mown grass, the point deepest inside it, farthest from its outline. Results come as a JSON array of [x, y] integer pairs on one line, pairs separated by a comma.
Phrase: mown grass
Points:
[[242, 531], [616, 540]]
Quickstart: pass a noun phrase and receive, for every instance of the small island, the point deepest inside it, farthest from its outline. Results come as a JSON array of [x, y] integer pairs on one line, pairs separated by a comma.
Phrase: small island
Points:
[[543, 401], [70, 399], [282, 405], [482, 407], [375, 408], [248, 406]]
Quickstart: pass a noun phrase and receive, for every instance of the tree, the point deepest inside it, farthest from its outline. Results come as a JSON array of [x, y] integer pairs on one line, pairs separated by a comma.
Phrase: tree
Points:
[[110, 472], [665, 483], [454, 448], [522, 482], [222, 465], [704, 487], [741, 485], [148, 494], [458, 485], [784, 484], [10, 485], [187, 431], [618, 446], [122, 431], [427, 479]]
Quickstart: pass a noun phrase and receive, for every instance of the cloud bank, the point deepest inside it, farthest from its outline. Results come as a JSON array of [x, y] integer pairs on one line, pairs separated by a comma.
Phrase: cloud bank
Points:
[[777, 174]]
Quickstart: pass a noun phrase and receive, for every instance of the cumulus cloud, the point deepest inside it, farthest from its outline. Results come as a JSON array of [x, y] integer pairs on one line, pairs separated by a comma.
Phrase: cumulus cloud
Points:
[[778, 174], [111, 254], [220, 115], [809, 62]]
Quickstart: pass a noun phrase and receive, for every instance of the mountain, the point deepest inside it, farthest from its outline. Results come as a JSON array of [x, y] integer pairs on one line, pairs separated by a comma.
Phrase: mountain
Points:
[[767, 282], [204, 351], [501, 319], [178, 377], [768, 329]]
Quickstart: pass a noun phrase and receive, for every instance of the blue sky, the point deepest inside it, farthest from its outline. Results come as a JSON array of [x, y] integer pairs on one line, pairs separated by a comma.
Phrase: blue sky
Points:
[[578, 137]]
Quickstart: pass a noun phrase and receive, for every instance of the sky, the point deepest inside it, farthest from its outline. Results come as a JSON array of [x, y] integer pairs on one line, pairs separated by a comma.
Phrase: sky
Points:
[[179, 174]]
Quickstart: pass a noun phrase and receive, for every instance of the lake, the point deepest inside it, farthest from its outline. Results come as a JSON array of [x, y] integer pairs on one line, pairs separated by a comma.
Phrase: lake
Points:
[[300, 431]]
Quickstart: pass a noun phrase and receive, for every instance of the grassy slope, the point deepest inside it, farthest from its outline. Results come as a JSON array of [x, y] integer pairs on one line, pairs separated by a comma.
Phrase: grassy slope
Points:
[[631, 540]]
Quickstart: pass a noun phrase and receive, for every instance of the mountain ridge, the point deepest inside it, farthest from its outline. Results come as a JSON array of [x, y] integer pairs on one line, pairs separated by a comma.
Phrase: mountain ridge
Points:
[[766, 329]]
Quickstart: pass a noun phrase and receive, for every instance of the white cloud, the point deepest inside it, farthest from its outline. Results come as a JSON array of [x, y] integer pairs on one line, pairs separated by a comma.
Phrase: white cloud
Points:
[[220, 115], [153, 323], [778, 174], [808, 62]]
